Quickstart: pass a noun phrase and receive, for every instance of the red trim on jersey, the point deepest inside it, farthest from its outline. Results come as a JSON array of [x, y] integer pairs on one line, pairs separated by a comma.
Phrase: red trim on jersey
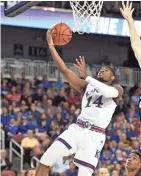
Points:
[[93, 128]]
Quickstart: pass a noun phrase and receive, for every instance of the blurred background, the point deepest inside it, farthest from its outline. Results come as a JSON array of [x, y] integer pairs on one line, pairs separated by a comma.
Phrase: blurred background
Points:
[[37, 104]]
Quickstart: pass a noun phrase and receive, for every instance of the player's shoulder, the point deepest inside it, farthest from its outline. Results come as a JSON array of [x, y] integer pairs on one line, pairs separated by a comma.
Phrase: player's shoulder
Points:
[[119, 88]]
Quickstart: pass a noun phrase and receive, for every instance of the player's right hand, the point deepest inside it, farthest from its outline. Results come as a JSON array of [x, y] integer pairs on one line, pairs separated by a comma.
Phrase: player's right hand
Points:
[[80, 65], [127, 10], [49, 38]]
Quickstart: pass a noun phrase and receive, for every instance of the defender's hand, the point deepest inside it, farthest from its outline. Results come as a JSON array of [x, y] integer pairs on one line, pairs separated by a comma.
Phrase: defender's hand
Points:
[[49, 38], [127, 10], [80, 65]]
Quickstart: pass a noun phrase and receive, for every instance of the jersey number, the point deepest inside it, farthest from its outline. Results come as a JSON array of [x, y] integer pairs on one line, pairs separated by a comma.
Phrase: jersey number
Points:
[[98, 102]]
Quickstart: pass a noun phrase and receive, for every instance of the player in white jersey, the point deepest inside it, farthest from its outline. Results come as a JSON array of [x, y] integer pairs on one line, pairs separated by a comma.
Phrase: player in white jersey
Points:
[[86, 138], [127, 12]]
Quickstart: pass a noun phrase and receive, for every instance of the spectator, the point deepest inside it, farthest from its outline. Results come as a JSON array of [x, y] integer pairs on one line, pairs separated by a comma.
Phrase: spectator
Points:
[[5, 116], [4, 101], [13, 95], [103, 172], [136, 146], [44, 100], [11, 80], [130, 132], [39, 107], [60, 166], [12, 128], [23, 108], [40, 92], [4, 87], [28, 143], [49, 94], [15, 107], [118, 156], [49, 105], [44, 122], [29, 101], [115, 173], [72, 98], [5, 163], [45, 83], [25, 95], [31, 120], [34, 112], [59, 98], [132, 113], [135, 96], [18, 117], [72, 171], [25, 126], [59, 84], [32, 84], [123, 138]]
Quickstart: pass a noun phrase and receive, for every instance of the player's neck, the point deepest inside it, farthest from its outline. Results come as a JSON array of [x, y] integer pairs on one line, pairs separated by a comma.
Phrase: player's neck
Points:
[[107, 83], [131, 173]]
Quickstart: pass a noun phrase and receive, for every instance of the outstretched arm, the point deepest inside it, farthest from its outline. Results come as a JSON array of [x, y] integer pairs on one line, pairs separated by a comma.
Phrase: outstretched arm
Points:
[[72, 78], [134, 37]]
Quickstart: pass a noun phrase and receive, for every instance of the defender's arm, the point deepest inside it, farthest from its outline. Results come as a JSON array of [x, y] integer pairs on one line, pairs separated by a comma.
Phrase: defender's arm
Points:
[[135, 41], [134, 37]]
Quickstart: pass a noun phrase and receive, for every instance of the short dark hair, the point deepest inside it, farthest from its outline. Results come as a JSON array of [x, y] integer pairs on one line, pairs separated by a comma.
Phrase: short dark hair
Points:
[[112, 69], [27, 171], [137, 153]]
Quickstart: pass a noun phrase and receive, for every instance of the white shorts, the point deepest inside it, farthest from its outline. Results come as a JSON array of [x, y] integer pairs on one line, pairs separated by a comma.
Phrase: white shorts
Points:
[[84, 143]]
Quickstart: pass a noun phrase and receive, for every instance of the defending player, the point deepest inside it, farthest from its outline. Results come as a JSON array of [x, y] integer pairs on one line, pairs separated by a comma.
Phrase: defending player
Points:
[[127, 12], [86, 138], [133, 164]]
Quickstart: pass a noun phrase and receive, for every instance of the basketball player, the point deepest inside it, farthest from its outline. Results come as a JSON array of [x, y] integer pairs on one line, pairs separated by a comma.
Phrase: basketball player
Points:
[[86, 138], [30, 172], [133, 164], [127, 12]]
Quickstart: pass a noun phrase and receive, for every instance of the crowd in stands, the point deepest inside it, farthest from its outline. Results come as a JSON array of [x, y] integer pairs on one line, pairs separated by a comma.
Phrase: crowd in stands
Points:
[[36, 112]]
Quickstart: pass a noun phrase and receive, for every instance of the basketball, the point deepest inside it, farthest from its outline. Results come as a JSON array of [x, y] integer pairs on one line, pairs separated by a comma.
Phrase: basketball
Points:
[[61, 34]]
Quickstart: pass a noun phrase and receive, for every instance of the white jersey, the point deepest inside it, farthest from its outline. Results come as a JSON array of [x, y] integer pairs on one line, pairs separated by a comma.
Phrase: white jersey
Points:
[[96, 108]]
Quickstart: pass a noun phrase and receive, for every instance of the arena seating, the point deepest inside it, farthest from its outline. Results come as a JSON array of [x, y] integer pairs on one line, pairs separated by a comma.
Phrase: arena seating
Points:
[[38, 110]]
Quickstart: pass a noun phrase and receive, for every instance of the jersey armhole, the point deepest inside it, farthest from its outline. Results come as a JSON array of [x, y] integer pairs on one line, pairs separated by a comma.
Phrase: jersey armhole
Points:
[[84, 89], [115, 100]]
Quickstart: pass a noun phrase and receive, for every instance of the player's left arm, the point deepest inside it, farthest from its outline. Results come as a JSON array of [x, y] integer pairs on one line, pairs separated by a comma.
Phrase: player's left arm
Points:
[[127, 12], [115, 91]]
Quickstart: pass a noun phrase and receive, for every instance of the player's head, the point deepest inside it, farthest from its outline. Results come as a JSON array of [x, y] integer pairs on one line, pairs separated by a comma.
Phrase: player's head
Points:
[[103, 172], [106, 74], [30, 172], [133, 162]]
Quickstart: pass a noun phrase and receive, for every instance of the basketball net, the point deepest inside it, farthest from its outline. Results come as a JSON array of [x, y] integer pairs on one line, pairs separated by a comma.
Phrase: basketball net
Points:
[[86, 15]]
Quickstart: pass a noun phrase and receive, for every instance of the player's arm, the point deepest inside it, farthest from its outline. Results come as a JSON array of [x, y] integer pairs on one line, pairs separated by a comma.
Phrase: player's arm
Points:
[[134, 37], [107, 91], [72, 78]]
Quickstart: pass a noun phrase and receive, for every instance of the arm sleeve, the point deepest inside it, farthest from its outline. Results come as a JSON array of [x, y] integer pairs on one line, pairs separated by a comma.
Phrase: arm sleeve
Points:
[[104, 89]]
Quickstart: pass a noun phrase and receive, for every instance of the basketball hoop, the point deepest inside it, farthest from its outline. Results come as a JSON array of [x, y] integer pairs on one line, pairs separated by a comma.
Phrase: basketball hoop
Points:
[[84, 13]]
